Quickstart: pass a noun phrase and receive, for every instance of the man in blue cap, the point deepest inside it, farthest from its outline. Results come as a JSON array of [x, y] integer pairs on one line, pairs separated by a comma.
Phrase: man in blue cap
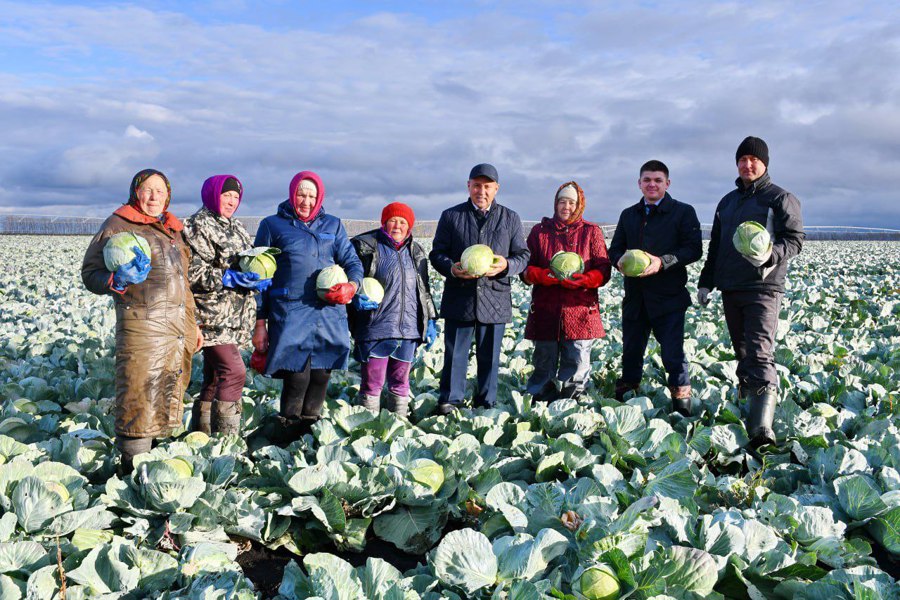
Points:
[[472, 305]]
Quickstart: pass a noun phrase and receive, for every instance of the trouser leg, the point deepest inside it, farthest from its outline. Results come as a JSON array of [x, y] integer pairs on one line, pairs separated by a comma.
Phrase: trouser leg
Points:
[[201, 412], [574, 367], [129, 447], [457, 341], [669, 332], [734, 319], [316, 393], [372, 375], [541, 384], [760, 326], [398, 386], [230, 372], [635, 334], [293, 391], [489, 337]]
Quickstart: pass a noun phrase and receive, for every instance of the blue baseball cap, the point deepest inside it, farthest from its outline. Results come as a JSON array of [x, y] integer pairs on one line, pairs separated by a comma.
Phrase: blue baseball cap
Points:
[[484, 170]]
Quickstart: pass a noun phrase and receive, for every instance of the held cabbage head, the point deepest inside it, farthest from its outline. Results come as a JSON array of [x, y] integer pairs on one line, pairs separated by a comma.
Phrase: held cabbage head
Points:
[[566, 264], [428, 473], [260, 261], [751, 238], [477, 259], [634, 262], [597, 582], [118, 249], [329, 277], [372, 289]]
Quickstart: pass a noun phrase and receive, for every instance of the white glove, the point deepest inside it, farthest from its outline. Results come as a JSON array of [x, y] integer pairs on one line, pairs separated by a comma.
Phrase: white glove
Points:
[[758, 260], [703, 296]]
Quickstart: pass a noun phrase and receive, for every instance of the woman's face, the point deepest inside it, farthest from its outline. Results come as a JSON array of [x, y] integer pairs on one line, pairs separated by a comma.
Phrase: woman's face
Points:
[[397, 227], [565, 208], [304, 201], [228, 203], [152, 196]]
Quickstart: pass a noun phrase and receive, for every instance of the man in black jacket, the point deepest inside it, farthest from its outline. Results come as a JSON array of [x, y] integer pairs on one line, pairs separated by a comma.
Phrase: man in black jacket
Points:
[[753, 286], [473, 306], [657, 299]]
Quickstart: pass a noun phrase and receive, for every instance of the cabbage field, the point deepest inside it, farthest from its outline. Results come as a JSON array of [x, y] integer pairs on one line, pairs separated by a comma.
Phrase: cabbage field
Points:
[[579, 499]]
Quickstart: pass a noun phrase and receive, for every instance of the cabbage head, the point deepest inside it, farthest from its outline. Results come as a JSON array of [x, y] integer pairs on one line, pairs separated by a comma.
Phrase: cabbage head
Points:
[[428, 473], [260, 261], [751, 239], [118, 249], [597, 582], [477, 259], [566, 264], [634, 262], [329, 277], [371, 288]]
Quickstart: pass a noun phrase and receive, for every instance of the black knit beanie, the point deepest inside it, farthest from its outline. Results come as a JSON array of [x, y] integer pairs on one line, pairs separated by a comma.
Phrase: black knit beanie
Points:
[[231, 185], [753, 146]]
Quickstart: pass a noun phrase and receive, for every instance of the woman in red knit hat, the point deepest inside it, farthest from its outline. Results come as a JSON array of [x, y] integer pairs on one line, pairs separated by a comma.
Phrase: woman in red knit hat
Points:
[[388, 332]]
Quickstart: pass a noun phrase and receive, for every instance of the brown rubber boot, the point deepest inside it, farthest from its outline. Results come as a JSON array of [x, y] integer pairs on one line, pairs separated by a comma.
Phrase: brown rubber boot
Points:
[[129, 447], [201, 416], [398, 405], [226, 418], [681, 399], [371, 403]]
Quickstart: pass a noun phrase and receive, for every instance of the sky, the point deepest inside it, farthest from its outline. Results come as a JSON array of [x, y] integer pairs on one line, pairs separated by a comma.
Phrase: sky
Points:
[[396, 101]]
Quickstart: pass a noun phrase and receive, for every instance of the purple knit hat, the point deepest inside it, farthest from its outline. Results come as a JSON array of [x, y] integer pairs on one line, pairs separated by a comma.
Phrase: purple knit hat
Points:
[[212, 191]]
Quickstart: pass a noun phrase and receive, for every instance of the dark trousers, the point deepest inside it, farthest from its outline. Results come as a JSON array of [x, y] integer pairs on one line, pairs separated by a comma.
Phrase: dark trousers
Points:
[[224, 374], [752, 319], [668, 329], [303, 392], [457, 342]]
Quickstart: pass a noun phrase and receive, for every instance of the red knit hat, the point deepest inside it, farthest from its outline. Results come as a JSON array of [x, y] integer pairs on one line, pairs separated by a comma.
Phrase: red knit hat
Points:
[[398, 209]]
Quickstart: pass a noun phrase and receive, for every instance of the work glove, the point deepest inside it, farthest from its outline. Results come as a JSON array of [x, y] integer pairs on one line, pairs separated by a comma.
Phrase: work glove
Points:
[[431, 333], [249, 280], [135, 271], [258, 361], [340, 293], [363, 302], [703, 296], [758, 260], [538, 276], [590, 280]]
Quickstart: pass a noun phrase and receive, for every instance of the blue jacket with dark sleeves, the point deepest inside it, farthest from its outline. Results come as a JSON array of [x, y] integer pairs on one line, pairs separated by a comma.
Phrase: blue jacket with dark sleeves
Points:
[[486, 299], [301, 326], [673, 234], [766, 203], [407, 306]]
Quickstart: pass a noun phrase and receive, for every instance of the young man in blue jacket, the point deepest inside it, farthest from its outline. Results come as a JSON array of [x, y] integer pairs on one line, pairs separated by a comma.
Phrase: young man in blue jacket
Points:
[[656, 301], [476, 306], [753, 286]]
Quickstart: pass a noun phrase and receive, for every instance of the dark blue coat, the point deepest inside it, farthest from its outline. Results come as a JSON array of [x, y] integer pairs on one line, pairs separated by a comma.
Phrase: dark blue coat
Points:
[[673, 234], [486, 299], [301, 326]]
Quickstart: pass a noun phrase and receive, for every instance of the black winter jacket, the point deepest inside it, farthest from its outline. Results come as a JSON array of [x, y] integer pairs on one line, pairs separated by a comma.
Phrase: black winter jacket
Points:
[[673, 234], [486, 299], [766, 203], [366, 245]]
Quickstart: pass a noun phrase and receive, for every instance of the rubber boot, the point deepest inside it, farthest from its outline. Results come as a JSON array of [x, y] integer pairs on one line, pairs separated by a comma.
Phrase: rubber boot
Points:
[[548, 393], [129, 447], [306, 422], [399, 405], [226, 418], [201, 416], [681, 399], [372, 403], [571, 391], [762, 414], [623, 388]]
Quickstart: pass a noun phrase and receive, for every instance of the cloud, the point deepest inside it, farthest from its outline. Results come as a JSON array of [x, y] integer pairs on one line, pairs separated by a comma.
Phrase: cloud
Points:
[[390, 105]]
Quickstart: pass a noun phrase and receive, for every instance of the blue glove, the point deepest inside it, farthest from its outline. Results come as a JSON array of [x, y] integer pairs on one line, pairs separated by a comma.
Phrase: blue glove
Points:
[[135, 271], [232, 279], [363, 302], [431, 333]]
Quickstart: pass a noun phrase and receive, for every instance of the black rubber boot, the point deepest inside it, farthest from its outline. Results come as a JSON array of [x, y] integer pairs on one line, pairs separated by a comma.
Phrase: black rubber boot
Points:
[[623, 387], [226, 418], [129, 447], [548, 393], [201, 416], [681, 399], [762, 414]]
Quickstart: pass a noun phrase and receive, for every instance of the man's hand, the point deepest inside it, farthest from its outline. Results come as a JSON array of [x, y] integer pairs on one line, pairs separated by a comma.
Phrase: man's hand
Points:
[[654, 266], [619, 263], [498, 266], [703, 296], [758, 260], [457, 271]]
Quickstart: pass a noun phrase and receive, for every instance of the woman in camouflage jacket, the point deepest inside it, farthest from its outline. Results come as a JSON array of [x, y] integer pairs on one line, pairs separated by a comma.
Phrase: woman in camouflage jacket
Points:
[[226, 308]]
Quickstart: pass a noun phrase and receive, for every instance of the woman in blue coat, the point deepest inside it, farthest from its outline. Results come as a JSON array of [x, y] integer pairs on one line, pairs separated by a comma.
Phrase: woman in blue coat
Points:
[[304, 336]]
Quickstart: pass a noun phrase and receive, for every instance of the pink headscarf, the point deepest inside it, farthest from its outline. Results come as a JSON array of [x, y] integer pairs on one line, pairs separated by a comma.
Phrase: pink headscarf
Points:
[[320, 195]]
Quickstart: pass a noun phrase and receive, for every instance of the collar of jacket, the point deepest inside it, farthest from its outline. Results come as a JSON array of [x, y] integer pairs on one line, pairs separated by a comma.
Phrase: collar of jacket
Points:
[[130, 213], [476, 210], [286, 211], [556, 225], [754, 186], [227, 222], [386, 238], [662, 205]]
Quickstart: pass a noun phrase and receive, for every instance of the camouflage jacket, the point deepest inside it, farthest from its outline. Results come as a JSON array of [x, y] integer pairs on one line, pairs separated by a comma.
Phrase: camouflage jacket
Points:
[[226, 315]]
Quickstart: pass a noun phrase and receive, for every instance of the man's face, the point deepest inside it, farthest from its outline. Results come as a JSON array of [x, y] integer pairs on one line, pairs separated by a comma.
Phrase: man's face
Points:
[[750, 168], [482, 191], [653, 185]]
